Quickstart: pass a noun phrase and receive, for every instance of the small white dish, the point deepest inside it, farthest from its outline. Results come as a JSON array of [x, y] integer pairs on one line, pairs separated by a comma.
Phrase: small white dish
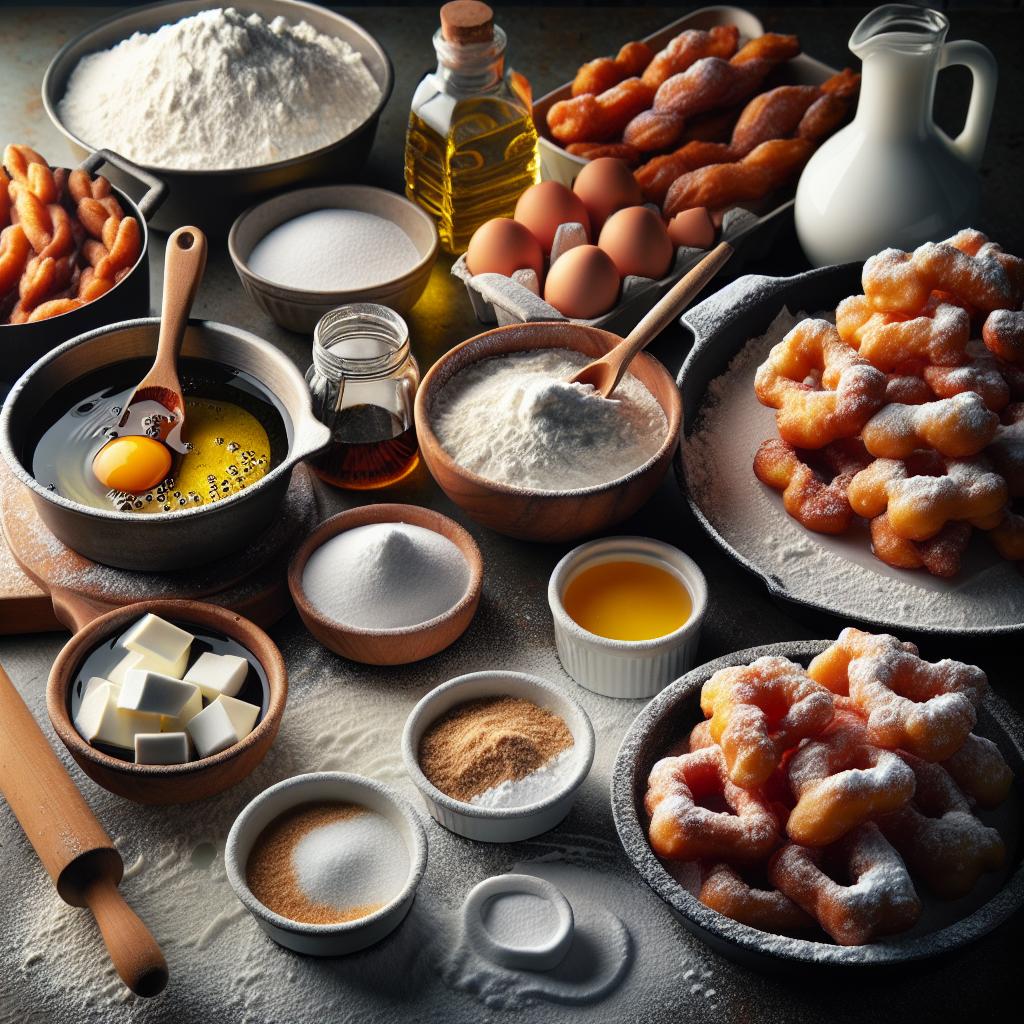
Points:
[[499, 824], [627, 668], [299, 309], [326, 939], [543, 954]]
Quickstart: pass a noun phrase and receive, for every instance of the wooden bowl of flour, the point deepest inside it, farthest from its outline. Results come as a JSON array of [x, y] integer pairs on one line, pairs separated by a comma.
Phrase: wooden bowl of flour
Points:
[[400, 645], [528, 513]]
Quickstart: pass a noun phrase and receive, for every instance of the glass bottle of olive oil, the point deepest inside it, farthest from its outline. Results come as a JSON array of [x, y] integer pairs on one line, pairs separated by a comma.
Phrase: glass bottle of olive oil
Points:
[[471, 148]]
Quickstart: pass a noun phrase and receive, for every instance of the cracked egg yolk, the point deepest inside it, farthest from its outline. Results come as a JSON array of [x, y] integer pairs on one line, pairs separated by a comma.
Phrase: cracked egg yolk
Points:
[[132, 463]]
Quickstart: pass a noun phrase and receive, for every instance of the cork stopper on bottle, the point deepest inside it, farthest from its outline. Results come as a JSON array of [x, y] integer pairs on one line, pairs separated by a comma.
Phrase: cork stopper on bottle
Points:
[[467, 21]]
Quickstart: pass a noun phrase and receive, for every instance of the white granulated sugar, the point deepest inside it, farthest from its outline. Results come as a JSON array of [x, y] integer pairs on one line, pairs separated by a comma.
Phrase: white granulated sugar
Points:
[[334, 250], [514, 419], [839, 573], [385, 576], [352, 862], [219, 90], [520, 920], [532, 788]]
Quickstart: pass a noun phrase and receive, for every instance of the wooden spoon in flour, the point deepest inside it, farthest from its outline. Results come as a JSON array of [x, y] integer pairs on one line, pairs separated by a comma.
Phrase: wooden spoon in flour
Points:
[[605, 373]]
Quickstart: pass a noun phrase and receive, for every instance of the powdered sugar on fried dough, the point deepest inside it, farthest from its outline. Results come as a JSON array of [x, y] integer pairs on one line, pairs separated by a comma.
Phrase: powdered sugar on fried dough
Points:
[[835, 572]]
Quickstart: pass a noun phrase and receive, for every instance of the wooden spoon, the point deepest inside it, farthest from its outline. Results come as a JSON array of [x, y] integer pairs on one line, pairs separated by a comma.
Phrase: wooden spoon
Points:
[[183, 270], [605, 373], [82, 861]]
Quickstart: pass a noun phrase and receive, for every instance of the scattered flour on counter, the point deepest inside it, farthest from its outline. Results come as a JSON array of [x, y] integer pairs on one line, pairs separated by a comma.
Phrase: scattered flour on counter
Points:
[[840, 573], [219, 90], [342, 716], [619, 949]]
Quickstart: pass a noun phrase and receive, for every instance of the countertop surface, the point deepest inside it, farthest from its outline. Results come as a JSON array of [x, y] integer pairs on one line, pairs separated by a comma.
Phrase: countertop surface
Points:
[[348, 717]]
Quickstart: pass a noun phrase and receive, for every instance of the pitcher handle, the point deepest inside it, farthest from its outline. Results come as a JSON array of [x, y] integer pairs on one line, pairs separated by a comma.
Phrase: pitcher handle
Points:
[[984, 73]]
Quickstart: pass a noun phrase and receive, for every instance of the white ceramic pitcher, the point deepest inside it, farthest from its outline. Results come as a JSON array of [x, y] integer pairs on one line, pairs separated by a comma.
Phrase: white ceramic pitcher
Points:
[[892, 177]]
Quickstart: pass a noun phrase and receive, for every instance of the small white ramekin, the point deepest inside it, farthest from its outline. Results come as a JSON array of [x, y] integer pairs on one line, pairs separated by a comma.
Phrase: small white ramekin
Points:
[[326, 939], [498, 824], [626, 668]]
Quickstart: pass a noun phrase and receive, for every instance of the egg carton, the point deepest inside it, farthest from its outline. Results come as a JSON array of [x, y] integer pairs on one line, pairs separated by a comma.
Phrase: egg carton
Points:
[[502, 300]]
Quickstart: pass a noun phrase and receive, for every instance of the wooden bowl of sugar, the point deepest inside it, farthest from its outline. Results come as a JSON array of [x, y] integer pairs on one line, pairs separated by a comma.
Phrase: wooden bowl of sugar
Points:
[[567, 506], [387, 584]]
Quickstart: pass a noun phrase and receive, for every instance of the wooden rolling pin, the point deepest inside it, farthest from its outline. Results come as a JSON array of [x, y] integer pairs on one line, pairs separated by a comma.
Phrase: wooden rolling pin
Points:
[[71, 843]]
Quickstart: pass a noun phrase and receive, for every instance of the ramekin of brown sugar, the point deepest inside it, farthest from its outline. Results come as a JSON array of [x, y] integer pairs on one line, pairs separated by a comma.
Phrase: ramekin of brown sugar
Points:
[[498, 756], [328, 863]]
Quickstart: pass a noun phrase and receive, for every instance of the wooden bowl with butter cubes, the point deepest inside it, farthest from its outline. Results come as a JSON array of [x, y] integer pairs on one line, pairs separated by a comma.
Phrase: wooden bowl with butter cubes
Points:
[[166, 702]]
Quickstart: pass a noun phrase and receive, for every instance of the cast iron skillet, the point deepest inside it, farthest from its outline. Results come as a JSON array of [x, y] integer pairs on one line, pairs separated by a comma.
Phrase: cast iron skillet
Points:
[[670, 715], [721, 325]]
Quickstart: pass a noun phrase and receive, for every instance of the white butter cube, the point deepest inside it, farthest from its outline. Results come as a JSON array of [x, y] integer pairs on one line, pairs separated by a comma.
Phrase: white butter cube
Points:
[[222, 724], [100, 720], [217, 674], [153, 693], [131, 659], [178, 722], [155, 636], [147, 660], [161, 748], [94, 683]]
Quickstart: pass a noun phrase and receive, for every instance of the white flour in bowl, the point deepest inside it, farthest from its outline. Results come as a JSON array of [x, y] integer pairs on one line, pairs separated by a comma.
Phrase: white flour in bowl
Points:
[[219, 90], [514, 419], [838, 573]]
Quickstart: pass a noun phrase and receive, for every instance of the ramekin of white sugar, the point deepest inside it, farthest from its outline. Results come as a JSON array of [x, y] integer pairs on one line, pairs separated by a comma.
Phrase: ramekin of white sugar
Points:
[[347, 851], [609, 664], [547, 733]]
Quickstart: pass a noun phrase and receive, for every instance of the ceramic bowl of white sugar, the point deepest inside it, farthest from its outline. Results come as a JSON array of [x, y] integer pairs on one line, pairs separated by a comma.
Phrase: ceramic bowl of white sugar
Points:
[[304, 253], [373, 859], [528, 456]]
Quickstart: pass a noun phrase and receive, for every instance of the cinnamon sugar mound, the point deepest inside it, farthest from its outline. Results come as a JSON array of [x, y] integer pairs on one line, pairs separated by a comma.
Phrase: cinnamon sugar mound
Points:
[[483, 743], [270, 874]]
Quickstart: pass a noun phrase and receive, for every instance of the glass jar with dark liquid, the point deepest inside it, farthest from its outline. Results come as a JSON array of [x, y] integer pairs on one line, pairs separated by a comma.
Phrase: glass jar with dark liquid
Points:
[[363, 381]]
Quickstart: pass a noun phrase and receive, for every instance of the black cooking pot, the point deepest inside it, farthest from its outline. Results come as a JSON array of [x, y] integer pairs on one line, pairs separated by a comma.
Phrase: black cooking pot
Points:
[[22, 344]]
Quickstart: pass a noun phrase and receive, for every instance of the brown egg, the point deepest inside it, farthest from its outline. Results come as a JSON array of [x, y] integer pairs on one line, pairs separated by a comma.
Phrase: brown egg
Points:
[[637, 242], [542, 208], [606, 185], [692, 228], [582, 283], [503, 246]]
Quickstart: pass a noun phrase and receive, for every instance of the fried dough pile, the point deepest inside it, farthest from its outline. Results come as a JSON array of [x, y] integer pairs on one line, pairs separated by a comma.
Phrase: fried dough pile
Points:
[[64, 238], [818, 798], [900, 413], [699, 120]]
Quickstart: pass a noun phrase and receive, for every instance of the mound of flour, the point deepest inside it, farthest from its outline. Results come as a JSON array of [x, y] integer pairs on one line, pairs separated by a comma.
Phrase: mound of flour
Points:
[[219, 90]]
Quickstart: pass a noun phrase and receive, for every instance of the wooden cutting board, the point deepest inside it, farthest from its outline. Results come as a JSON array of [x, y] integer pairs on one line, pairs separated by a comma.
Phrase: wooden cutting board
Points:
[[45, 585], [24, 607]]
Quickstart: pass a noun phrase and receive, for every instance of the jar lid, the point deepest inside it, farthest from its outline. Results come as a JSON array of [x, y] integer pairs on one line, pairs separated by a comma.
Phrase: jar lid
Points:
[[467, 21]]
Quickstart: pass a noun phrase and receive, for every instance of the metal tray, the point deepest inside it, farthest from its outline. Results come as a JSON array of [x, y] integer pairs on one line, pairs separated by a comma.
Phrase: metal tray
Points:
[[503, 301]]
